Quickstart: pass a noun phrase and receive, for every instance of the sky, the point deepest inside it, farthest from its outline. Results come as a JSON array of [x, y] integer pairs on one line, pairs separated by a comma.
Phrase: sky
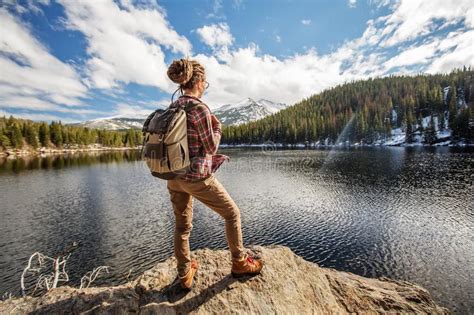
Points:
[[76, 60]]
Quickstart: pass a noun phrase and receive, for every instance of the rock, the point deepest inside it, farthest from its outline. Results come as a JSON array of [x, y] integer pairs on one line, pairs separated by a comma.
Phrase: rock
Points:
[[288, 284]]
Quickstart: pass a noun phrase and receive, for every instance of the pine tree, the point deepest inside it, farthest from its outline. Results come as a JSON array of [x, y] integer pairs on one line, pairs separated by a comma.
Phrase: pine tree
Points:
[[461, 125], [16, 137], [452, 107], [32, 136], [130, 138], [409, 127], [56, 134], [429, 134], [4, 140], [43, 134]]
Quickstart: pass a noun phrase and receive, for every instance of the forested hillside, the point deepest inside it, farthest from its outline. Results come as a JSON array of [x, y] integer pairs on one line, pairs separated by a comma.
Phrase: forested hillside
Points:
[[21, 133], [421, 107]]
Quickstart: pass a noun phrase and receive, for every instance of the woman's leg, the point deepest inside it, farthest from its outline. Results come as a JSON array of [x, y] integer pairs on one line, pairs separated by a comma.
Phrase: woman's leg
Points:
[[211, 193], [183, 212]]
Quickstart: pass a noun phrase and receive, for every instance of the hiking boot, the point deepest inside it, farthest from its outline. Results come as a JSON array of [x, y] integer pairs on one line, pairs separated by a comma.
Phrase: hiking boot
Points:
[[247, 266], [187, 280]]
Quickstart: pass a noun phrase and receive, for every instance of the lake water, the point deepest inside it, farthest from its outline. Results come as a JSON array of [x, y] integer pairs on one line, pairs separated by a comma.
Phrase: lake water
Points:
[[404, 213]]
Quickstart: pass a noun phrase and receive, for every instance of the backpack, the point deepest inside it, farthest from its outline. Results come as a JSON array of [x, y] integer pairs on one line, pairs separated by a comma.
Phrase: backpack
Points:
[[165, 143]]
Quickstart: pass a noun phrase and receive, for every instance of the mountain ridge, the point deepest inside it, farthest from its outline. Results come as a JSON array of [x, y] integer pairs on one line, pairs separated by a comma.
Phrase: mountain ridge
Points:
[[229, 114], [246, 110]]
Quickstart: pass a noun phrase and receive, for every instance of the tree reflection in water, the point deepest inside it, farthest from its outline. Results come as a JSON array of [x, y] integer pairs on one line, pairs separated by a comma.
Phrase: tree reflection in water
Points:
[[60, 161]]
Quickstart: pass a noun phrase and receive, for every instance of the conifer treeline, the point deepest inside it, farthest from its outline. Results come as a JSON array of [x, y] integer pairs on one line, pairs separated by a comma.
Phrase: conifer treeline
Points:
[[371, 108], [19, 133]]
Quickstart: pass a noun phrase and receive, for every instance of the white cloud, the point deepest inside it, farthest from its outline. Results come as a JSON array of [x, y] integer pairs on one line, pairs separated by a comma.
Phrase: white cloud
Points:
[[306, 22], [37, 116], [415, 18], [352, 3], [215, 35], [127, 43], [127, 110], [124, 42], [25, 6], [462, 55], [415, 55], [217, 10], [381, 3], [278, 38], [32, 78], [245, 72]]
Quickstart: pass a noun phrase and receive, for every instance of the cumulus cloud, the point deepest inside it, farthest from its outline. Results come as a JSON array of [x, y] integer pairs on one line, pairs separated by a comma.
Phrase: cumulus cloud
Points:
[[32, 78], [416, 55], [127, 43], [411, 19], [37, 116], [124, 42], [215, 35], [352, 3], [459, 47], [246, 72], [25, 6], [306, 22]]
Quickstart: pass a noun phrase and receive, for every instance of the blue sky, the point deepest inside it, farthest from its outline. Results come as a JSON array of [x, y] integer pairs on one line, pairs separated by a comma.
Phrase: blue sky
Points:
[[79, 60]]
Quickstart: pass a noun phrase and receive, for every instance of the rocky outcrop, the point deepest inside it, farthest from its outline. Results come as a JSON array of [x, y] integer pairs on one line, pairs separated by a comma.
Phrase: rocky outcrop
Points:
[[288, 284]]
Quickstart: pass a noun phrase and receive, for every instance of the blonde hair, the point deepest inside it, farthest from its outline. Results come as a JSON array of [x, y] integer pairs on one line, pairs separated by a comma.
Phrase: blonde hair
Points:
[[186, 72]]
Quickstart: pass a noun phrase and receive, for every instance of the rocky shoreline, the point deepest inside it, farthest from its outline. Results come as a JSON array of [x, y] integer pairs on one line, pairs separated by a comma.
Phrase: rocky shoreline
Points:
[[288, 284]]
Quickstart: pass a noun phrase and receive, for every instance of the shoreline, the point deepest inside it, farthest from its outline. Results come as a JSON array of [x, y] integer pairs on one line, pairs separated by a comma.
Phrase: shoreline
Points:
[[14, 153], [352, 145], [50, 151]]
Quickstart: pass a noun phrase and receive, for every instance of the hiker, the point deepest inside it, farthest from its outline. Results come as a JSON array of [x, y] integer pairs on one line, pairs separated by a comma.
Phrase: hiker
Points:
[[204, 134]]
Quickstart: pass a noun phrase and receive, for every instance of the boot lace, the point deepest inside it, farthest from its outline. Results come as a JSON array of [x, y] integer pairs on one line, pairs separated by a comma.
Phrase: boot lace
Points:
[[250, 260]]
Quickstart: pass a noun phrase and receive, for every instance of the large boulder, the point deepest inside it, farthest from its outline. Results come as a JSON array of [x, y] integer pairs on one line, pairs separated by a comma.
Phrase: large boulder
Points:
[[288, 284]]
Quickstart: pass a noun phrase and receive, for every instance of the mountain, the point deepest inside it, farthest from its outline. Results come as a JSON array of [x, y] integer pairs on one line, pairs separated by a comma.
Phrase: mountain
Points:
[[113, 123], [230, 114], [246, 110]]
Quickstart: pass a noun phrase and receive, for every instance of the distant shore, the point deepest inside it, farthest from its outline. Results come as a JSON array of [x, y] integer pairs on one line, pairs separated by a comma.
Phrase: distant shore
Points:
[[267, 145], [270, 145], [47, 151]]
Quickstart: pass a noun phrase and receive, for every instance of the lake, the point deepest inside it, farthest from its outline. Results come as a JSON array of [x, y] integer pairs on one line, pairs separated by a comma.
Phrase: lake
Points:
[[403, 213]]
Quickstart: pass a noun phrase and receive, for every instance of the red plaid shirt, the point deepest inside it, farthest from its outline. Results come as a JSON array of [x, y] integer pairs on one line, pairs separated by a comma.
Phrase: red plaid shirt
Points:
[[203, 140]]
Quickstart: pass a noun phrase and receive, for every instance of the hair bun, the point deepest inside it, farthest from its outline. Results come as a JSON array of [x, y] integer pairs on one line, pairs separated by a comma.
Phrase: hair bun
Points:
[[180, 71]]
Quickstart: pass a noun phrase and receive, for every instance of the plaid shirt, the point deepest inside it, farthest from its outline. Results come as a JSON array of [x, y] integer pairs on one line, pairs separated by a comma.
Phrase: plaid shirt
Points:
[[203, 140]]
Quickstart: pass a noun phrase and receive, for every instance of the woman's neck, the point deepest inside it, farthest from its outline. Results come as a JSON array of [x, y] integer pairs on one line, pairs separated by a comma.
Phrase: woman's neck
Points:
[[191, 93]]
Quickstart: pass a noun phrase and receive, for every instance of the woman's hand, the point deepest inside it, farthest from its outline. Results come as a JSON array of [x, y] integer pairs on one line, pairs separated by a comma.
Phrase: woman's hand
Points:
[[215, 122]]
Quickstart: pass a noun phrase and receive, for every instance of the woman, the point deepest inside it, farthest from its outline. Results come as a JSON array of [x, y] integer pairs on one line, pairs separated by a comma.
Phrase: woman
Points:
[[204, 133]]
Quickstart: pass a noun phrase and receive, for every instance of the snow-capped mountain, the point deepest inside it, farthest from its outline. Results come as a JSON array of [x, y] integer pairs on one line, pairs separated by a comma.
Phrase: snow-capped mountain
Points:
[[113, 123], [230, 114], [246, 110]]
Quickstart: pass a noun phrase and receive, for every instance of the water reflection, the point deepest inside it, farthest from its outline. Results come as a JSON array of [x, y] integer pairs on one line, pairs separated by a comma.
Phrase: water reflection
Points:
[[405, 213], [60, 161]]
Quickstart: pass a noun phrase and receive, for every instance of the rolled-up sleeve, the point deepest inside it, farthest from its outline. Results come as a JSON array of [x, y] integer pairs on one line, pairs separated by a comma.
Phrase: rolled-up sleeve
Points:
[[208, 136]]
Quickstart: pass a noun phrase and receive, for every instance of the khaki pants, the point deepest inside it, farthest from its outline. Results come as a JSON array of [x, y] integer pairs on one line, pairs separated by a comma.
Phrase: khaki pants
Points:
[[211, 193]]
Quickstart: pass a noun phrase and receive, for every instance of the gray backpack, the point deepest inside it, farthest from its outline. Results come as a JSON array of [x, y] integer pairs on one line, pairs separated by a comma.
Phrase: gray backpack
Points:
[[165, 145]]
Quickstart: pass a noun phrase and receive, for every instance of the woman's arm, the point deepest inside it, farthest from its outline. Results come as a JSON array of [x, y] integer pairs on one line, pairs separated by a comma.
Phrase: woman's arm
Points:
[[208, 128]]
